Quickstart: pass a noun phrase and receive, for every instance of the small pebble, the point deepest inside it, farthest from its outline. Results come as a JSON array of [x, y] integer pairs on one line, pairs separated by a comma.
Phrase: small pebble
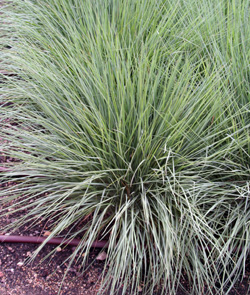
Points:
[[101, 256], [20, 263], [47, 233]]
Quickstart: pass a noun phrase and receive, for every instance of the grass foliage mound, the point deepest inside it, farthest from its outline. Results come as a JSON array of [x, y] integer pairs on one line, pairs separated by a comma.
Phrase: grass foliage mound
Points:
[[134, 114]]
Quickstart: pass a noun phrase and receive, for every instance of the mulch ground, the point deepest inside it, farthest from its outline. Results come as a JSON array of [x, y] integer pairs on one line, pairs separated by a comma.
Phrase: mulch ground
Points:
[[44, 275], [45, 278]]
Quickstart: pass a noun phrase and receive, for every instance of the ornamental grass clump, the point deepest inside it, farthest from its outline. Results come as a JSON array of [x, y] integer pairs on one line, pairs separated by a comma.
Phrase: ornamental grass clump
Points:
[[133, 116]]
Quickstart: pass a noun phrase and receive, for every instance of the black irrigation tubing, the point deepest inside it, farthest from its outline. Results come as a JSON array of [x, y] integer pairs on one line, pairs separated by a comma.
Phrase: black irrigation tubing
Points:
[[53, 241], [62, 241]]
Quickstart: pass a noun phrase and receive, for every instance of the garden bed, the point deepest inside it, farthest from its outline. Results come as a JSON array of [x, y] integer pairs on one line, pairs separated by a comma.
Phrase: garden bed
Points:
[[128, 122]]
